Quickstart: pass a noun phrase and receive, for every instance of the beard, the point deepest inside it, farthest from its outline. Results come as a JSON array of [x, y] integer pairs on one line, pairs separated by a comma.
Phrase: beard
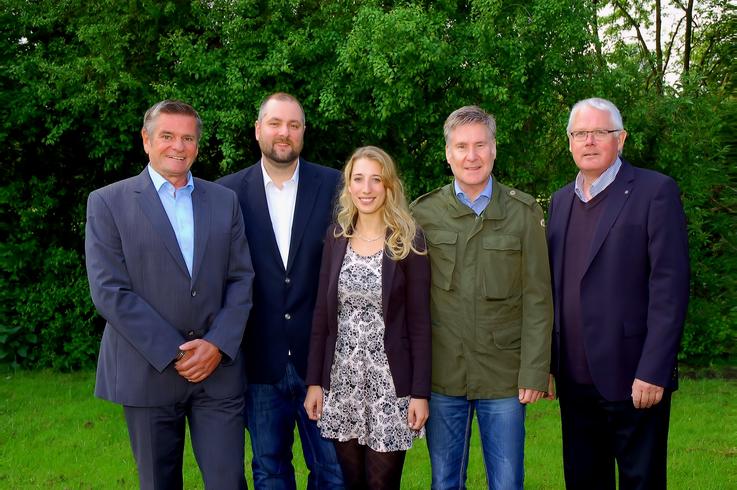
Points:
[[280, 158]]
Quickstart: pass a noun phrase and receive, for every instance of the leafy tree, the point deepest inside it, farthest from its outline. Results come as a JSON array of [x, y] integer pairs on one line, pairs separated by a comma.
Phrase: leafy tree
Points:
[[686, 130], [77, 76]]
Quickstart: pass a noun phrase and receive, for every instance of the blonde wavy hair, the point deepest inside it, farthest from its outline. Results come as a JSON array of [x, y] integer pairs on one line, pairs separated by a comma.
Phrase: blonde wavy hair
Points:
[[402, 227]]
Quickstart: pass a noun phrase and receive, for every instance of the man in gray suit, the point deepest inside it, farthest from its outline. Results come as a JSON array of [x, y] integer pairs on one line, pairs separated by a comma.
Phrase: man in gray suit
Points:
[[170, 270]]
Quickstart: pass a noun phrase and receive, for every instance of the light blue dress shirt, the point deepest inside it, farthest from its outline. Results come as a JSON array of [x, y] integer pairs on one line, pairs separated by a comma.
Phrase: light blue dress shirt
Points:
[[178, 206], [480, 203], [606, 178]]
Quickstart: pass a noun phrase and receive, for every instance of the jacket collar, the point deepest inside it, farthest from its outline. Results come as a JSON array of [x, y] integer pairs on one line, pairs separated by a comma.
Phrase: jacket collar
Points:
[[496, 210], [618, 194], [148, 200], [388, 267]]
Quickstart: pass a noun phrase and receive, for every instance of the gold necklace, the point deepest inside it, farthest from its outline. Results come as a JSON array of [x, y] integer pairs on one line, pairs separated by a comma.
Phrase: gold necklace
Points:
[[369, 240]]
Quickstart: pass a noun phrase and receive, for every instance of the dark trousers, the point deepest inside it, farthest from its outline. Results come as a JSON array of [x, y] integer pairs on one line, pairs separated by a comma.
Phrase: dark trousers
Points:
[[217, 428], [597, 432]]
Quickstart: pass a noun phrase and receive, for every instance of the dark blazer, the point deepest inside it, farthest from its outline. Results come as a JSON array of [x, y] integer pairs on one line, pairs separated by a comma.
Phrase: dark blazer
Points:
[[140, 284], [634, 292], [283, 299], [405, 289]]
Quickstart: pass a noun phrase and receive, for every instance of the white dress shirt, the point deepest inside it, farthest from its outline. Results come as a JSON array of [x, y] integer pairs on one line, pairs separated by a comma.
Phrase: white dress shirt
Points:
[[281, 209]]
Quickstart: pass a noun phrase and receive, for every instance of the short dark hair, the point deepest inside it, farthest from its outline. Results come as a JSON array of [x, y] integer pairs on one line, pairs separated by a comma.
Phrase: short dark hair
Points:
[[170, 106], [283, 96]]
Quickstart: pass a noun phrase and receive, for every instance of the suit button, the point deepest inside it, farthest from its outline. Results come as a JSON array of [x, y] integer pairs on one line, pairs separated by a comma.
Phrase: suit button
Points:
[[287, 316], [190, 334], [194, 293], [287, 280]]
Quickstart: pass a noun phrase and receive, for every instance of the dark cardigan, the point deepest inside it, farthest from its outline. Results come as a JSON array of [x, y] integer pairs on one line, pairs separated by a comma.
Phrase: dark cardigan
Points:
[[406, 305]]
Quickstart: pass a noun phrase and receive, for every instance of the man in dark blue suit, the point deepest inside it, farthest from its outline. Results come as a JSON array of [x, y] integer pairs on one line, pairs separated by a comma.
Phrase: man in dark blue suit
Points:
[[169, 269], [287, 205], [619, 260]]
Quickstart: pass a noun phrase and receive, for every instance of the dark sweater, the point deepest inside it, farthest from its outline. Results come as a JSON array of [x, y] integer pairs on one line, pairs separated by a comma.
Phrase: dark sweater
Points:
[[581, 228]]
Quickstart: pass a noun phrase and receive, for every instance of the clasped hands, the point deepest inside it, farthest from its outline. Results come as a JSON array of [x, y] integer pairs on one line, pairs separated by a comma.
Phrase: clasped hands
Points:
[[199, 360]]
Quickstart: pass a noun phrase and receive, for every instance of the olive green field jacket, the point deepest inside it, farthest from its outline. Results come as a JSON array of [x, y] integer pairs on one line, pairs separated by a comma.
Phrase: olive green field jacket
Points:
[[491, 300]]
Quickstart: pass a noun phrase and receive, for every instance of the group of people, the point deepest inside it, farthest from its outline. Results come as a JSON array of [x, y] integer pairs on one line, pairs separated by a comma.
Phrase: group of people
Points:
[[288, 294]]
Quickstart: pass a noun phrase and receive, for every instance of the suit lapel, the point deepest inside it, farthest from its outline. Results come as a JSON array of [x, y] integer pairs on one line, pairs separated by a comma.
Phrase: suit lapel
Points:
[[618, 194], [201, 214], [560, 223], [150, 203], [388, 269], [258, 213], [337, 254], [308, 188]]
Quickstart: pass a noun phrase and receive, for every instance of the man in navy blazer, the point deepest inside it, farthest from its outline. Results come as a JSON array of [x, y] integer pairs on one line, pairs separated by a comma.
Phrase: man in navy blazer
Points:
[[619, 260], [169, 269], [287, 205]]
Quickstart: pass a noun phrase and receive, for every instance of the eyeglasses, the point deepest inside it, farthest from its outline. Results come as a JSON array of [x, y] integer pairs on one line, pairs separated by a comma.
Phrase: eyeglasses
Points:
[[599, 134]]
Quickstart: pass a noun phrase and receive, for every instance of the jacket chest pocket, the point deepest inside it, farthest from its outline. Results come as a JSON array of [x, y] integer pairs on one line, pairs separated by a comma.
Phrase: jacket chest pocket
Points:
[[441, 247], [501, 262]]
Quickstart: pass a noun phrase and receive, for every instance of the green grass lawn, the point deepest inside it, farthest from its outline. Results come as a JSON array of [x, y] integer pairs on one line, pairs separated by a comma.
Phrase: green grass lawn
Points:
[[55, 434]]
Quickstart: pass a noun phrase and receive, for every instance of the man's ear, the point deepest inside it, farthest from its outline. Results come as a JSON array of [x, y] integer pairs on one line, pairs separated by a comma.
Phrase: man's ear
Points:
[[620, 140], [146, 140]]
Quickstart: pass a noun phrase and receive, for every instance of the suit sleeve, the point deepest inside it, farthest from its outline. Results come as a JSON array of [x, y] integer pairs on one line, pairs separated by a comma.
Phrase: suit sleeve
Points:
[[417, 295], [110, 287], [226, 331], [319, 333], [537, 305], [668, 285]]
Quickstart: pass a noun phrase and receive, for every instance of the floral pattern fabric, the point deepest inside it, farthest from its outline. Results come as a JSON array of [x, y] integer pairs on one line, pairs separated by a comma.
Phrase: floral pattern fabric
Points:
[[362, 403]]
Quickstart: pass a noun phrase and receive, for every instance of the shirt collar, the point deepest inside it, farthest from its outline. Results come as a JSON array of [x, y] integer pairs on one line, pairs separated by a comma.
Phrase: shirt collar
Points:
[[486, 192], [159, 181], [601, 183], [267, 178]]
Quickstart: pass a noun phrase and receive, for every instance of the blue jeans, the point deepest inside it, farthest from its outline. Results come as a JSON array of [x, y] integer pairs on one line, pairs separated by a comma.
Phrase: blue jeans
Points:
[[271, 412], [502, 428]]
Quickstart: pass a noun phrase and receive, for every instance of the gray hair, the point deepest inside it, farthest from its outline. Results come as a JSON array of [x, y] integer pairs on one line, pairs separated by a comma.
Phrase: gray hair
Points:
[[170, 106], [469, 114], [599, 104], [284, 97]]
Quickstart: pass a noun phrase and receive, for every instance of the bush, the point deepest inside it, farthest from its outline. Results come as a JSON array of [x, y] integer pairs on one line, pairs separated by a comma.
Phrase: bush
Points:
[[46, 315], [78, 76]]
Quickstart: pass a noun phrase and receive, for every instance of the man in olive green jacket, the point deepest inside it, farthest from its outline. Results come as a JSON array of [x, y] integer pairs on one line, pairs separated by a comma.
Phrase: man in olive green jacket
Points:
[[491, 308]]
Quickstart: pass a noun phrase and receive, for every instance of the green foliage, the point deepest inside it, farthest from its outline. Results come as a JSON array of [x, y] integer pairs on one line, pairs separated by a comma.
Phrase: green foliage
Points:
[[77, 77], [715, 56], [47, 315], [688, 138]]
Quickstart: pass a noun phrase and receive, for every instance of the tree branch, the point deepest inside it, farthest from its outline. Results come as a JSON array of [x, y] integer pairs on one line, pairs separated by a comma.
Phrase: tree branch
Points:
[[669, 45], [687, 37], [640, 38]]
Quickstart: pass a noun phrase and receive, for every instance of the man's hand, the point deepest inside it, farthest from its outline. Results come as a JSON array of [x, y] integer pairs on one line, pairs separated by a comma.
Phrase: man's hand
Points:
[[313, 402], [645, 395], [199, 361], [550, 395], [527, 395], [419, 410]]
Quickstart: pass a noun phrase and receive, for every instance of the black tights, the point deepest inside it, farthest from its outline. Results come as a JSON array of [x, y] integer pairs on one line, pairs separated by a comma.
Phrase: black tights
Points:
[[364, 468]]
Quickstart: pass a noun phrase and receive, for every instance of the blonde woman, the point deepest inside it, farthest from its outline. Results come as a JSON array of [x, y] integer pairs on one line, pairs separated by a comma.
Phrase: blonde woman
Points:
[[369, 365]]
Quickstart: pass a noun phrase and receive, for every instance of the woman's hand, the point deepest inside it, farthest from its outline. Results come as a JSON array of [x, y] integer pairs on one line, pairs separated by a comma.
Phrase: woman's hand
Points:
[[419, 410], [313, 402]]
